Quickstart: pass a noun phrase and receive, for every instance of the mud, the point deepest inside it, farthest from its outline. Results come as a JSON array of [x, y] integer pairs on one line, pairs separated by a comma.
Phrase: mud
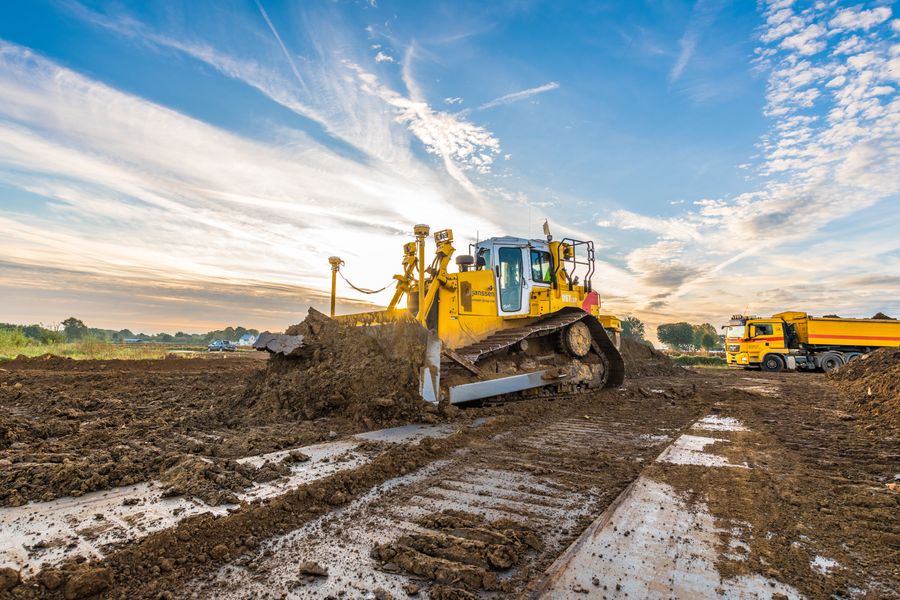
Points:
[[215, 481], [643, 360], [460, 550], [872, 383], [504, 499], [818, 488], [490, 513], [161, 561], [70, 427], [369, 375]]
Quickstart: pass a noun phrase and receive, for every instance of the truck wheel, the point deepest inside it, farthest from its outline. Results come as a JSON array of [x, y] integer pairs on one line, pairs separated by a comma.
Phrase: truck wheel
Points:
[[772, 363], [830, 361]]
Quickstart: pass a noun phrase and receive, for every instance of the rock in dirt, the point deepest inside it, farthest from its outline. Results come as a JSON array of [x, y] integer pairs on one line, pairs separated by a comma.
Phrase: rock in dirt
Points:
[[87, 582], [312, 569], [643, 360], [369, 374], [872, 383], [219, 551], [295, 456], [51, 579], [9, 578]]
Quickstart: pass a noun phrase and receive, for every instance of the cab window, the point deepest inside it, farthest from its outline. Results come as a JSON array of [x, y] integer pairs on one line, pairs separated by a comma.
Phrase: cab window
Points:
[[541, 266], [484, 255], [762, 329], [510, 279]]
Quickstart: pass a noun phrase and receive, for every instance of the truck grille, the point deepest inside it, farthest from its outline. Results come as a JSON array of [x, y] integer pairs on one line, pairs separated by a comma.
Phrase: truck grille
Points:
[[734, 347]]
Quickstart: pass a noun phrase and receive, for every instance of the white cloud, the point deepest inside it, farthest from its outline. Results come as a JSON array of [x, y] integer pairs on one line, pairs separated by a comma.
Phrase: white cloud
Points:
[[453, 100], [806, 42], [856, 18], [520, 95], [703, 14], [669, 229], [460, 144], [382, 57], [848, 45], [687, 47]]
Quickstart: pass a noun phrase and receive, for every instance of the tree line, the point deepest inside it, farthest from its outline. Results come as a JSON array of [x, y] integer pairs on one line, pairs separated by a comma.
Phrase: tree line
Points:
[[73, 330], [682, 336]]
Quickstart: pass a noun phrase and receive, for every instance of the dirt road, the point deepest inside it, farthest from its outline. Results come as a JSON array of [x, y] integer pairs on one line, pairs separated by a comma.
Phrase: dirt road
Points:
[[788, 490]]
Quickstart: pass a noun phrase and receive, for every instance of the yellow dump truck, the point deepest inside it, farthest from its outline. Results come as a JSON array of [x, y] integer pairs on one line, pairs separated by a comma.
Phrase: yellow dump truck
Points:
[[795, 340]]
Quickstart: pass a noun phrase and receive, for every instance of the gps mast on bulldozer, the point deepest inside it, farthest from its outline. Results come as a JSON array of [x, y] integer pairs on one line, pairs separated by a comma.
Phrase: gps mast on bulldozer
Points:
[[795, 340], [519, 317]]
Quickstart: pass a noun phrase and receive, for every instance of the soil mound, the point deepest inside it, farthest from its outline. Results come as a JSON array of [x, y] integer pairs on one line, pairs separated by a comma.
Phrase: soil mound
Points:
[[43, 360], [873, 384], [643, 360], [368, 374]]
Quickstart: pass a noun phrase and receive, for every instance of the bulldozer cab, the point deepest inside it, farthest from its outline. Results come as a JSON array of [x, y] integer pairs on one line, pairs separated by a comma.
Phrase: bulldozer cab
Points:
[[518, 266]]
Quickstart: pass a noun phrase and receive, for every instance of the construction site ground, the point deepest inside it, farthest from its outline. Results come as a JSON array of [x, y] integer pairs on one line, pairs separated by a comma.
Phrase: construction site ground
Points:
[[148, 479]]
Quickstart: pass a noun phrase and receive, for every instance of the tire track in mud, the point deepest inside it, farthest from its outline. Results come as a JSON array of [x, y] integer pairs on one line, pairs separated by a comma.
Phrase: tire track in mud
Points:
[[485, 521]]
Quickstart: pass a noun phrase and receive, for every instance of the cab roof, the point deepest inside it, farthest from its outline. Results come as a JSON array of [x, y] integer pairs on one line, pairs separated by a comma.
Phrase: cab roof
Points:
[[512, 241]]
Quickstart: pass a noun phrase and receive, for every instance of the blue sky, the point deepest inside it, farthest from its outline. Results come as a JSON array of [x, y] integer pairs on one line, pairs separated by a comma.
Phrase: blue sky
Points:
[[182, 166]]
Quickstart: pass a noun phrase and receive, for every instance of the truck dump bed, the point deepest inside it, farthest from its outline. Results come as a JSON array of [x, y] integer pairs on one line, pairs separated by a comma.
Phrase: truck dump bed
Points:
[[870, 333]]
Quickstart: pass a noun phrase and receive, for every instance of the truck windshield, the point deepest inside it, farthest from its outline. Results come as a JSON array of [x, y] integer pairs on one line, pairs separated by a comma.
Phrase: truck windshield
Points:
[[736, 331]]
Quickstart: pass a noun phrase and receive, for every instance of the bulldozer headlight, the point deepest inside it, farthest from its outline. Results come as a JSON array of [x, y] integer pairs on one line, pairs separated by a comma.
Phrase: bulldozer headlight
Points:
[[445, 235]]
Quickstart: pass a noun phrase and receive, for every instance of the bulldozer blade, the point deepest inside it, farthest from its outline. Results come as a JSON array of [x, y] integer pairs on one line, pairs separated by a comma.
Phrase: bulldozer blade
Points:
[[430, 378], [278, 343]]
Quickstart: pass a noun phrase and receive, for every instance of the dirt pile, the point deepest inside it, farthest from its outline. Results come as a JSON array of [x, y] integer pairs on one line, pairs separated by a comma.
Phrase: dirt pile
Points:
[[643, 360], [459, 550], [872, 383], [369, 375]]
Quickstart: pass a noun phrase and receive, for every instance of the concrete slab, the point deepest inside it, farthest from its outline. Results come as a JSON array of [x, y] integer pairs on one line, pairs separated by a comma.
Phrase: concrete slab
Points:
[[691, 450], [650, 544]]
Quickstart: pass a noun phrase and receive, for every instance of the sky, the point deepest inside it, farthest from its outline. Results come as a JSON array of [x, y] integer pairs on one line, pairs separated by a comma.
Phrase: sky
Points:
[[186, 166]]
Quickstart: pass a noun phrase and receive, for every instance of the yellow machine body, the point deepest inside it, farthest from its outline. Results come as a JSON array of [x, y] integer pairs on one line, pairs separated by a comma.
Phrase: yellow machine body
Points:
[[518, 314], [467, 306]]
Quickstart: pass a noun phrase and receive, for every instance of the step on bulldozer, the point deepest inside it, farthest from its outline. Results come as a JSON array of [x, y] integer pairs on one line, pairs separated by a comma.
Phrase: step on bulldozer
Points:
[[519, 318]]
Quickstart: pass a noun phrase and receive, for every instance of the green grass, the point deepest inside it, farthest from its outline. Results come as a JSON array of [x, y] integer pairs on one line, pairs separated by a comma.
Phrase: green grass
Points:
[[14, 343], [691, 360]]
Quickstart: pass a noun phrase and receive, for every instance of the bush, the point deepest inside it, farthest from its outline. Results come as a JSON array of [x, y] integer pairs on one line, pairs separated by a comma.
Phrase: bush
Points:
[[703, 361], [14, 337]]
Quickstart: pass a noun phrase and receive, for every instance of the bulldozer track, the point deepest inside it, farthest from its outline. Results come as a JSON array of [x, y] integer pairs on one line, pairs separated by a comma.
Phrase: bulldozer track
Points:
[[507, 337], [551, 324]]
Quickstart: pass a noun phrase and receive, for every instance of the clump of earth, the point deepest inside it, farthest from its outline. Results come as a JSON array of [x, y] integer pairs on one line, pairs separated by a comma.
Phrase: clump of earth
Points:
[[459, 551], [369, 374]]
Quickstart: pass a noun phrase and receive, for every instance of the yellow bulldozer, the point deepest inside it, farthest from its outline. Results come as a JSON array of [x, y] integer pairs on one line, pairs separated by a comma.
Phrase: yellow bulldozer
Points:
[[518, 318]]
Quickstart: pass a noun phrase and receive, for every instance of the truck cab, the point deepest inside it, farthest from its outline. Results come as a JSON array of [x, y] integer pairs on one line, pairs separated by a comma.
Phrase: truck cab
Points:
[[755, 341]]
